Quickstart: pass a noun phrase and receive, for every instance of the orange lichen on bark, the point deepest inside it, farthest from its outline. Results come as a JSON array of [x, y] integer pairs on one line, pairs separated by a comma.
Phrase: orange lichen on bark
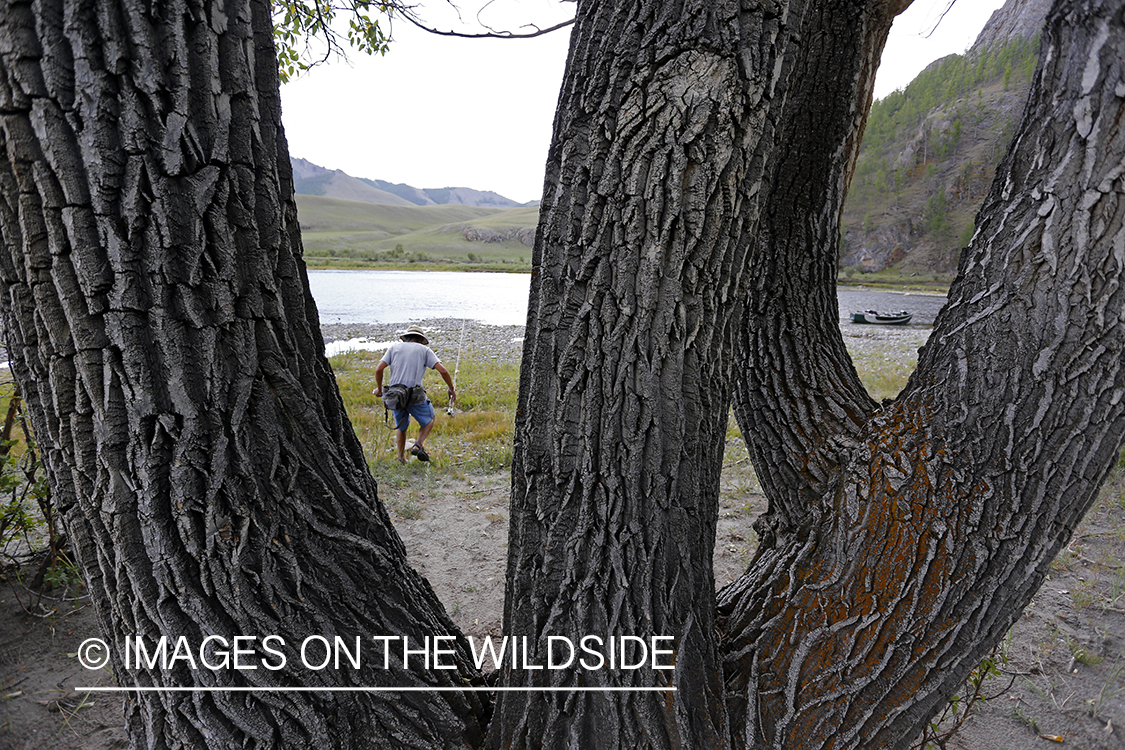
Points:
[[869, 597]]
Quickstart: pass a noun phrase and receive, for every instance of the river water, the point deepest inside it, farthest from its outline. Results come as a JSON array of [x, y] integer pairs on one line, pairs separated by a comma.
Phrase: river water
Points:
[[501, 298], [407, 296]]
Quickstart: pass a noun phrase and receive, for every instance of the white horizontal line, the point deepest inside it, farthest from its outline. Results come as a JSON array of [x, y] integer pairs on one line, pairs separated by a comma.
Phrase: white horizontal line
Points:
[[373, 689]]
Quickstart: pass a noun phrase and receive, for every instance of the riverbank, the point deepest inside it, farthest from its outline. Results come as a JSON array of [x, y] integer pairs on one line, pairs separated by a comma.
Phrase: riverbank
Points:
[[877, 344], [348, 264], [885, 280], [895, 281], [448, 336]]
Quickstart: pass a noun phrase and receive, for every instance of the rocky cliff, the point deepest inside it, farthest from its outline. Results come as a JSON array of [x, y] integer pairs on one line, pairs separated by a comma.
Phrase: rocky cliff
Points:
[[930, 151], [1017, 18]]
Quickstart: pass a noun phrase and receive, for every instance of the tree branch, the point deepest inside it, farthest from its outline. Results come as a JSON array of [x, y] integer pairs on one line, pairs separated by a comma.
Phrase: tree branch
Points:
[[488, 35]]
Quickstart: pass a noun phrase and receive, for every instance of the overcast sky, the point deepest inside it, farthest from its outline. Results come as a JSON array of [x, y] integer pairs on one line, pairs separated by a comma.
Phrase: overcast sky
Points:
[[445, 112]]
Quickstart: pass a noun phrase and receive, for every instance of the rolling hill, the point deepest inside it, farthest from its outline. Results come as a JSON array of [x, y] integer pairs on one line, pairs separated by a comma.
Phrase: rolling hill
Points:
[[341, 233]]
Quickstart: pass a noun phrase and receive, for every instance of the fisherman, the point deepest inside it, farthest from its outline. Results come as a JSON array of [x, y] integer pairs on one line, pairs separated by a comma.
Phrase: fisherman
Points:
[[409, 361]]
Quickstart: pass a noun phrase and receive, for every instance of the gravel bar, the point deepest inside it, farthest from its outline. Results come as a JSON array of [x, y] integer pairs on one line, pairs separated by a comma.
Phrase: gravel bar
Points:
[[478, 340], [505, 343]]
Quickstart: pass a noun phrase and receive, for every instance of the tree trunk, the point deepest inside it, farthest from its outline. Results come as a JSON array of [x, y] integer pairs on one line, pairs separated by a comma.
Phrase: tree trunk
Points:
[[800, 403], [908, 544], [661, 144], [159, 320], [790, 350]]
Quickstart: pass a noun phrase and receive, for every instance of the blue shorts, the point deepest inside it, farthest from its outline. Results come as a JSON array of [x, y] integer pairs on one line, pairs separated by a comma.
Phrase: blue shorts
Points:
[[423, 414]]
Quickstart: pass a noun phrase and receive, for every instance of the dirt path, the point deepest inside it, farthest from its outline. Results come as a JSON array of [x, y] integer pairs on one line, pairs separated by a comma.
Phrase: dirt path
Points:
[[39, 708], [1064, 660]]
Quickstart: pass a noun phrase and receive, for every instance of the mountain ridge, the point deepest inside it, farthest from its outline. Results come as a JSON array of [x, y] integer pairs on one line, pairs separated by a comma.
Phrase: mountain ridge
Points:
[[313, 179]]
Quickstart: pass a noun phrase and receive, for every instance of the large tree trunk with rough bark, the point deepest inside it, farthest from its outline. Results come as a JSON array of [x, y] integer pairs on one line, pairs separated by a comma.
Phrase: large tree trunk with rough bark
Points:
[[667, 152], [904, 540], [625, 384], [158, 316]]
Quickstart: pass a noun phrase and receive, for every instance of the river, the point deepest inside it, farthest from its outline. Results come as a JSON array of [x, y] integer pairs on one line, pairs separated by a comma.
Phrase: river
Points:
[[407, 296], [501, 298]]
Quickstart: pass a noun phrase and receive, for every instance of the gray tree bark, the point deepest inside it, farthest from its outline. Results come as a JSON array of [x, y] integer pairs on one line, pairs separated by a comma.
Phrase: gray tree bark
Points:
[[158, 316], [646, 250], [909, 537], [660, 139]]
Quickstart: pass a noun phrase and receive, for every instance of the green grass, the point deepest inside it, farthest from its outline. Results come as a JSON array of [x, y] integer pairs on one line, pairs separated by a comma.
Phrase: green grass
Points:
[[320, 214], [884, 372], [893, 278], [511, 217], [478, 437]]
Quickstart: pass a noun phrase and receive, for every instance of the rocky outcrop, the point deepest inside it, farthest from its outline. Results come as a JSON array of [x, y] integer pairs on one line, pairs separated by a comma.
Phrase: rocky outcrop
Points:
[[1017, 18], [874, 251], [526, 235]]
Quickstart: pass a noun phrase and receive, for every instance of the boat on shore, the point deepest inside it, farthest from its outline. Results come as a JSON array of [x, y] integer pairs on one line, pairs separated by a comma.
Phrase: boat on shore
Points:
[[900, 318]]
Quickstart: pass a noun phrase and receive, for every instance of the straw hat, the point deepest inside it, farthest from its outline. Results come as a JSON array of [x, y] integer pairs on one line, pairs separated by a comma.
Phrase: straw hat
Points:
[[415, 331]]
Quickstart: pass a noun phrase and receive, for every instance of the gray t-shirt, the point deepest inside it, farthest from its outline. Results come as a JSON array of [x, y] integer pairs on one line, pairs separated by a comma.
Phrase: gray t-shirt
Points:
[[409, 361]]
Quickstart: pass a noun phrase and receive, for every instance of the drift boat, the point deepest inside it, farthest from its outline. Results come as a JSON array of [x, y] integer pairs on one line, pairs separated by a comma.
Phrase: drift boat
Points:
[[902, 317]]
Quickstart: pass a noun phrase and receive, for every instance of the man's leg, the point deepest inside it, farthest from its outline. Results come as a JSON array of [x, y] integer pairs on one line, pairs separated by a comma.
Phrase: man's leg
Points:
[[424, 413], [402, 422], [424, 432]]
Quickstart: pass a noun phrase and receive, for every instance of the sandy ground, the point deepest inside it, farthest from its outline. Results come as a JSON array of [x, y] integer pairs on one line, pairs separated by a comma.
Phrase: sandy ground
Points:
[[1062, 680]]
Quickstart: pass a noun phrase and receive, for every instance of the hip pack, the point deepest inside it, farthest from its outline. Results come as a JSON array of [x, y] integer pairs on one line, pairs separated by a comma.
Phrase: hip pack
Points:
[[398, 397]]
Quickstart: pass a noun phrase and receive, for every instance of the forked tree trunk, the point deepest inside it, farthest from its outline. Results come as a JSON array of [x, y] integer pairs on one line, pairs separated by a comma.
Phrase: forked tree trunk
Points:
[[789, 350], [800, 403], [661, 144], [908, 547], [158, 316]]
